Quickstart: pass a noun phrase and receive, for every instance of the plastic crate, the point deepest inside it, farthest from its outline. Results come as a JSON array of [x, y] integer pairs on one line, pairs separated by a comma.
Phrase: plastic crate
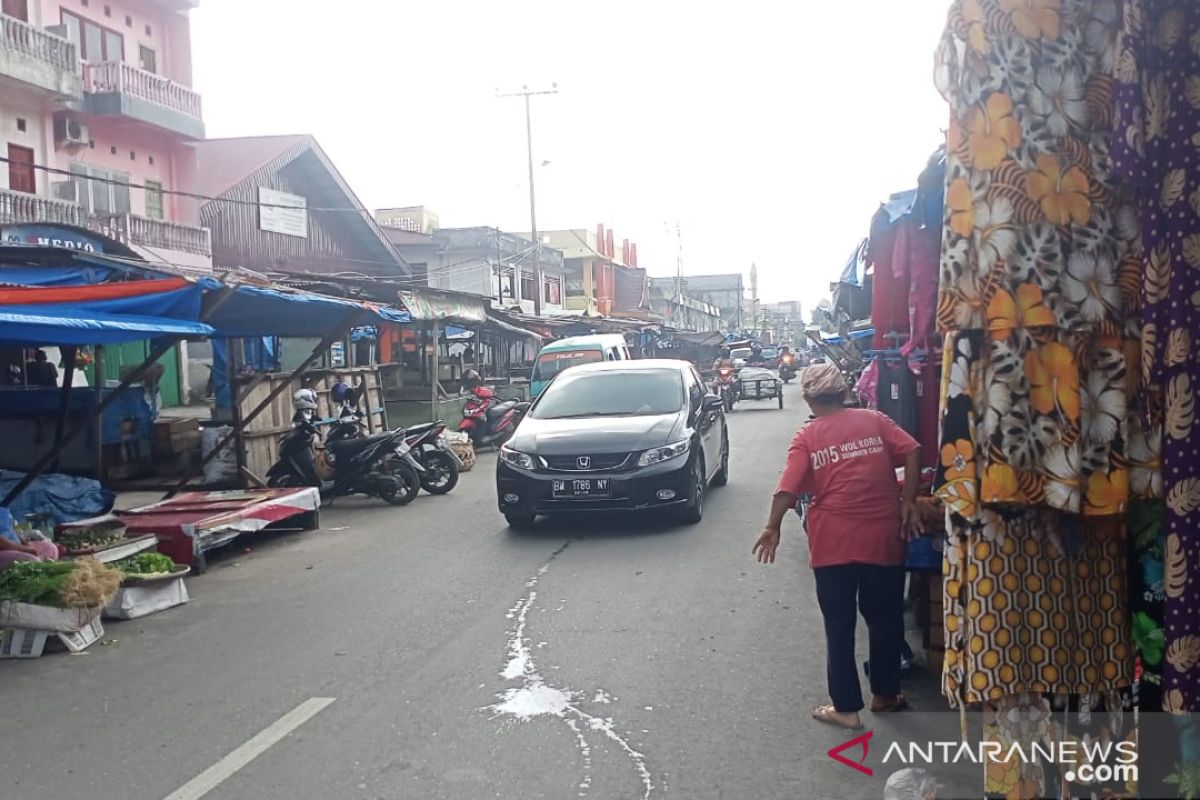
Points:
[[21, 643]]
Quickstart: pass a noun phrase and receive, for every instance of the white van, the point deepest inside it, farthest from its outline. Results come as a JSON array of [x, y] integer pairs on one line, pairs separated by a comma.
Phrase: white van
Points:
[[574, 350]]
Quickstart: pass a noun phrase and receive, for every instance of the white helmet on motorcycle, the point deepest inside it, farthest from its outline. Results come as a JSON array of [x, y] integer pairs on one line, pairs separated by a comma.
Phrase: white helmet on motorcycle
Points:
[[305, 400]]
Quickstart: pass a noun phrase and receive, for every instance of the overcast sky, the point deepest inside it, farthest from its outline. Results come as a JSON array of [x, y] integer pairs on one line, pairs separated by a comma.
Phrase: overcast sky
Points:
[[769, 130]]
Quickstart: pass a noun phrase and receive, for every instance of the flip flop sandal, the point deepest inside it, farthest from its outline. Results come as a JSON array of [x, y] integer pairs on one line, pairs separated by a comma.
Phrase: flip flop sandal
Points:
[[899, 704], [825, 714]]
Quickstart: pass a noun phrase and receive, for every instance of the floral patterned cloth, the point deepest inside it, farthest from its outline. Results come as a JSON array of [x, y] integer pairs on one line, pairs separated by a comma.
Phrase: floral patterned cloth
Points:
[[1041, 420], [1037, 270], [1156, 148], [1147, 546], [1029, 719], [1040, 291]]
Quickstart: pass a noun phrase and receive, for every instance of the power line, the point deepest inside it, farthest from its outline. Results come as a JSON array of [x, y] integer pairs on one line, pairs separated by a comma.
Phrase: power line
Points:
[[175, 192]]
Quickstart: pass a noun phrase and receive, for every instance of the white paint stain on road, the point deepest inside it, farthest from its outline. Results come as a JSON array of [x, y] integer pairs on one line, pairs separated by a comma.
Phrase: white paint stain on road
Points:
[[534, 697]]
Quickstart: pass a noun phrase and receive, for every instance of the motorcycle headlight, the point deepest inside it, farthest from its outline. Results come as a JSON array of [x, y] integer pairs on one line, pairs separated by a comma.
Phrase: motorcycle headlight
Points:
[[661, 454], [516, 459]]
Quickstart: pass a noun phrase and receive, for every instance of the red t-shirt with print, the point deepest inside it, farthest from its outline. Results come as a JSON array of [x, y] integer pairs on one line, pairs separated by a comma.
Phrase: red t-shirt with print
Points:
[[848, 462]]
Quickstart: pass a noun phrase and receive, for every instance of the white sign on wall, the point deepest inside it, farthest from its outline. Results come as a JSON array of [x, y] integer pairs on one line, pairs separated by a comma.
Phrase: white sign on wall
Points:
[[280, 212]]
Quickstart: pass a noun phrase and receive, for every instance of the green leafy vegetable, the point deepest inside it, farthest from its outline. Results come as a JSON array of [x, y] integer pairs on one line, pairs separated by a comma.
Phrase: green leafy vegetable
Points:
[[35, 581], [145, 564]]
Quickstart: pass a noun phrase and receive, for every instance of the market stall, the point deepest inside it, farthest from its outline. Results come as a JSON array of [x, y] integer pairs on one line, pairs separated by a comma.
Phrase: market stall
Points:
[[189, 525]]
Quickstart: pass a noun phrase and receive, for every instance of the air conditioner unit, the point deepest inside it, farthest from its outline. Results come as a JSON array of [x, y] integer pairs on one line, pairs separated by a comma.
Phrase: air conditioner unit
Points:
[[58, 30], [65, 190], [70, 133]]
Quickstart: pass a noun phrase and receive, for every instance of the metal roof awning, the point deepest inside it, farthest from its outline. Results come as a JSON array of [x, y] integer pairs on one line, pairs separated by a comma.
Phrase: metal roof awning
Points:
[[424, 306]]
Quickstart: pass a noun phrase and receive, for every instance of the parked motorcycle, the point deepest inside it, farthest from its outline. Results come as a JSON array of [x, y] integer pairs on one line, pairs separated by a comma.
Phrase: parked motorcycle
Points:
[[787, 367], [440, 464], [725, 387], [429, 453], [371, 465], [488, 419]]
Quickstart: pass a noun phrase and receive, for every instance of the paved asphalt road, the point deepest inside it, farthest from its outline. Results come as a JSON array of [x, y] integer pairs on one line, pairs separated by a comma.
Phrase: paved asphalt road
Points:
[[665, 661]]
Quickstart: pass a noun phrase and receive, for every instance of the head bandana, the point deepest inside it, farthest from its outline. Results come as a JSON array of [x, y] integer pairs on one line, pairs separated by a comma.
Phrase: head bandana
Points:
[[819, 379]]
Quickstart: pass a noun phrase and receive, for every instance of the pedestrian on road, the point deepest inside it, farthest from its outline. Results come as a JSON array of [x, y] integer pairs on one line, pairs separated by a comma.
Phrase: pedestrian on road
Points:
[[858, 528]]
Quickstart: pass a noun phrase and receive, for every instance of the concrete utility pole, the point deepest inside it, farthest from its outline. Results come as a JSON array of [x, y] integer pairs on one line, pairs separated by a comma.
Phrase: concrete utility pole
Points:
[[754, 298], [679, 261], [526, 93]]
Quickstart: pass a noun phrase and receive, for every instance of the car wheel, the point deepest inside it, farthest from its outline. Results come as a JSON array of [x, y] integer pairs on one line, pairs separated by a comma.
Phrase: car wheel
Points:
[[722, 476], [693, 512], [519, 520]]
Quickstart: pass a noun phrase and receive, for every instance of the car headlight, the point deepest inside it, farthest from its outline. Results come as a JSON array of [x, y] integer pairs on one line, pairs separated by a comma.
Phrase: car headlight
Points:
[[516, 459], [660, 454]]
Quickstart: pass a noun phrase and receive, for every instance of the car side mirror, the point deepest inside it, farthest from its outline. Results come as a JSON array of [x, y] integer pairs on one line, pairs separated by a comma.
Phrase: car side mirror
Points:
[[713, 402]]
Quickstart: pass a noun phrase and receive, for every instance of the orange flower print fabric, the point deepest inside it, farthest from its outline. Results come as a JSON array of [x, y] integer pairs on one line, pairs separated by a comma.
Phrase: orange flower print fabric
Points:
[[1040, 282], [1039, 419]]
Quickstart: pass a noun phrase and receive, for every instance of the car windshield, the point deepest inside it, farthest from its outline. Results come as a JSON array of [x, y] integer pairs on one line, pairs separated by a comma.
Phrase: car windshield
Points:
[[741, 352], [550, 364], [614, 393], [769, 353]]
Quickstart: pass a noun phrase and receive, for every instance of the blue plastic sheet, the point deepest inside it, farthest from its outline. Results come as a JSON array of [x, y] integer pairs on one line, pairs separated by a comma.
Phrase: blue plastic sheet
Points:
[[63, 498], [259, 311], [64, 325], [262, 355]]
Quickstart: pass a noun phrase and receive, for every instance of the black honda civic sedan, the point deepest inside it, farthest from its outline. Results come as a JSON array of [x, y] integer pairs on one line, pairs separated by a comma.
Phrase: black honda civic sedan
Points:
[[616, 436]]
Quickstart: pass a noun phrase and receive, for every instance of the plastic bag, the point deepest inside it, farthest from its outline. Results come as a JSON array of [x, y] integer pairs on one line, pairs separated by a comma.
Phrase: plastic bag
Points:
[[910, 784]]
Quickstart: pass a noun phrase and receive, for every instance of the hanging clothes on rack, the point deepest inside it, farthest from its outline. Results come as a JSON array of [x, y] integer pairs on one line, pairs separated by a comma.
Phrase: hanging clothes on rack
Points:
[[896, 394], [1037, 302], [889, 290], [1157, 129]]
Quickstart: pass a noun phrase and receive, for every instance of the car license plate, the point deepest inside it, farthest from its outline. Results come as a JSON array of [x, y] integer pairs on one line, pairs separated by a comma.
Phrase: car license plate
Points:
[[582, 487]]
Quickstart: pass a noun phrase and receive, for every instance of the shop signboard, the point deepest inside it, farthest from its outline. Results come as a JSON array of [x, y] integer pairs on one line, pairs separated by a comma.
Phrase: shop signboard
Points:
[[281, 212], [55, 236]]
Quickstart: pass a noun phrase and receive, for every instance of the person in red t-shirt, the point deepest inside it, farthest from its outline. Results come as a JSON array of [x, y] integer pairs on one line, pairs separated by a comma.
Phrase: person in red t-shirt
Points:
[[858, 526]]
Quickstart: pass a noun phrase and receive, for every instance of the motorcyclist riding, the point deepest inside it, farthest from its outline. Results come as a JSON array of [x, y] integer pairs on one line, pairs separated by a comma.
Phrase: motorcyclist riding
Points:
[[724, 360]]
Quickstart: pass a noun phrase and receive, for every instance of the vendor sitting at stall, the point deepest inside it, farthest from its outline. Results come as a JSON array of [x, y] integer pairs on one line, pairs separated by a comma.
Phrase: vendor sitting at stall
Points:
[[12, 549]]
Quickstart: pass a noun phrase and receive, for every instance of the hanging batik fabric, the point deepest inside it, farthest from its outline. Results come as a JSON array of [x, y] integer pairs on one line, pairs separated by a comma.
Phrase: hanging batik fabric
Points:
[[1157, 147], [1038, 300]]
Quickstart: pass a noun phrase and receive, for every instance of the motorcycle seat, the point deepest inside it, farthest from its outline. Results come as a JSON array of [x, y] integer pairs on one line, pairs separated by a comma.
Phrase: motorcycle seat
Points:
[[420, 428], [347, 448], [500, 409]]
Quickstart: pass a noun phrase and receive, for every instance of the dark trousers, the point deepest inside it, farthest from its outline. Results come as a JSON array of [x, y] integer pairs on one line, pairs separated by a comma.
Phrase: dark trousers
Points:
[[843, 591]]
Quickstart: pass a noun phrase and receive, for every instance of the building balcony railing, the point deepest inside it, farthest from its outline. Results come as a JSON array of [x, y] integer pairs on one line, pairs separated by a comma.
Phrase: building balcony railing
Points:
[[156, 233], [18, 207], [117, 77], [36, 57]]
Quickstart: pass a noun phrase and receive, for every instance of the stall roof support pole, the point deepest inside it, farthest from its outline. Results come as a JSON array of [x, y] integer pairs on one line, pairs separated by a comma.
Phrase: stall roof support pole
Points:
[[160, 348], [435, 374], [64, 398], [322, 346]]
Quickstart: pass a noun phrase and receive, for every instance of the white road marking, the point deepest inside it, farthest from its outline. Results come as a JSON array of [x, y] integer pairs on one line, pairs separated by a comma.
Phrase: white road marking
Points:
[[212, 777]]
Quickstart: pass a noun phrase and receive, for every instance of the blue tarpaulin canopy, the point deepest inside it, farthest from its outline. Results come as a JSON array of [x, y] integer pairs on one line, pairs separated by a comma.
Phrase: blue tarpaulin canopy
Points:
[[854, 335], [263, 311], [250, 311], [63, 325]]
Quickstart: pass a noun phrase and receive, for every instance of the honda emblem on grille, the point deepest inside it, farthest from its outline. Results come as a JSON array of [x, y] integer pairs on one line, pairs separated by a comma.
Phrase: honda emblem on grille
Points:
[[584, 462]]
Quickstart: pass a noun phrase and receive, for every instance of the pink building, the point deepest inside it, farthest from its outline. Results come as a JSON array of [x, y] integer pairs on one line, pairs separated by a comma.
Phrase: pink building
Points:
[[100, 91]]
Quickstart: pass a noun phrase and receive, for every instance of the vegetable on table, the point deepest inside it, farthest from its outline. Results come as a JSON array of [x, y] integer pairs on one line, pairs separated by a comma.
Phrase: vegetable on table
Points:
[[85, 583], [145, 565]]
